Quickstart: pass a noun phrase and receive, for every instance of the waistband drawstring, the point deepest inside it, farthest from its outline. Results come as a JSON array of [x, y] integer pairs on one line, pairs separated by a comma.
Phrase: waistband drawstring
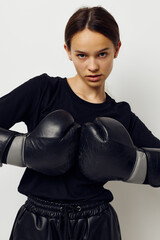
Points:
[[66, 209]]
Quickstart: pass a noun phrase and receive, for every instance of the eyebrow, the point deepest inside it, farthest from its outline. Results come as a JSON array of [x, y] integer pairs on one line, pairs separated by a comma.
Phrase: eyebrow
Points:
[[98, 51]]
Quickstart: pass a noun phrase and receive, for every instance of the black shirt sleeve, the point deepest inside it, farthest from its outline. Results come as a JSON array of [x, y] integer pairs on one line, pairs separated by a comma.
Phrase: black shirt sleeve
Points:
[[22, 103], [141, 135]]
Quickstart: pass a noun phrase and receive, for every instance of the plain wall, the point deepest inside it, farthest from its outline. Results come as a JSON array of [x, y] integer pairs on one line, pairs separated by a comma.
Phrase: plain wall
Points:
[[31, 43]]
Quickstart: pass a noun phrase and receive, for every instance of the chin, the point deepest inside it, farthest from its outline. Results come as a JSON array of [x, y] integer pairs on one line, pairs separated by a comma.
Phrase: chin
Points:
[[95, 83]]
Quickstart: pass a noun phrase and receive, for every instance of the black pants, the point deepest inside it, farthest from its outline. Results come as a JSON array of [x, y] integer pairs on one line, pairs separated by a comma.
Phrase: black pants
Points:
[[42, 220]]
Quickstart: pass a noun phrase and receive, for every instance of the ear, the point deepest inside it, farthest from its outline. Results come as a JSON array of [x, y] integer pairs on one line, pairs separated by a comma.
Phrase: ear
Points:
[[68, 51], [117, 49]]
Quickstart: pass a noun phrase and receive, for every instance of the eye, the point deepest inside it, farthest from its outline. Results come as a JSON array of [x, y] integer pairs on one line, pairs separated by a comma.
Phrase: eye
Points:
[[103, 54], [81, 55]]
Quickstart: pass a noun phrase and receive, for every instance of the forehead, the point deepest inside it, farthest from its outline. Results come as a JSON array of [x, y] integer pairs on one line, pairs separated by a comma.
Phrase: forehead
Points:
[[88, 40]]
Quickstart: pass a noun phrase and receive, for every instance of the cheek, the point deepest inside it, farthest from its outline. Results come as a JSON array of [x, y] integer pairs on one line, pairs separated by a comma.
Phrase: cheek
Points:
[[108, 65], [80, 66]]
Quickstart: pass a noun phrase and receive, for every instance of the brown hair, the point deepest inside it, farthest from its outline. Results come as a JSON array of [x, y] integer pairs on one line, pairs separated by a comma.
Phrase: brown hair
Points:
[[95, 19]]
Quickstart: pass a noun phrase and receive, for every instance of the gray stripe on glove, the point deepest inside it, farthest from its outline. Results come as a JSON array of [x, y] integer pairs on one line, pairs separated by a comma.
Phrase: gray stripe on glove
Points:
[[16, 152], [139, 172]]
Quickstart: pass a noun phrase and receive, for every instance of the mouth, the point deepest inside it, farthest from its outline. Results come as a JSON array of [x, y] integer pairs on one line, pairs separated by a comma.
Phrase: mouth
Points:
[[94, 77]]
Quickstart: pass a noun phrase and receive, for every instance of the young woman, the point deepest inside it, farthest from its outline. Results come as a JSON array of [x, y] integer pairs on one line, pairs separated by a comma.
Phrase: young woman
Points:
[[64, 200]]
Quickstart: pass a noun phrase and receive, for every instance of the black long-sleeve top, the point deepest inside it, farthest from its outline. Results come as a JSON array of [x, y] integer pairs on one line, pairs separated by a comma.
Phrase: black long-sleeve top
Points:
[[33, 100]]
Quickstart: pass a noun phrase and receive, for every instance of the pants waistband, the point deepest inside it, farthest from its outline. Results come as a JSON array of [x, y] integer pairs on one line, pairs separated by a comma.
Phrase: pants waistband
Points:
[[66, 211], [73, 209]]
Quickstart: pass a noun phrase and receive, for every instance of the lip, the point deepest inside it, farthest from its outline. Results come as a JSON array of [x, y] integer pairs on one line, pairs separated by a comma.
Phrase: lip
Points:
[[94, 77]]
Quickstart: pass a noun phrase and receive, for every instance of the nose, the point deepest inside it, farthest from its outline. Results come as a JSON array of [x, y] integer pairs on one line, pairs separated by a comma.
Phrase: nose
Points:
[[92, 65]]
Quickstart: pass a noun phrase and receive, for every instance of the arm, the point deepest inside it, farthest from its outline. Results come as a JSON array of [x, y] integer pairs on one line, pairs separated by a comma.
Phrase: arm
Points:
[[17, 106], [25, 104]]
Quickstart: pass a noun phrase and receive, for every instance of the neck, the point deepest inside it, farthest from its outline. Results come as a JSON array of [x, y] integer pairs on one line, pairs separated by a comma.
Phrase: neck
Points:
[[94, 94]]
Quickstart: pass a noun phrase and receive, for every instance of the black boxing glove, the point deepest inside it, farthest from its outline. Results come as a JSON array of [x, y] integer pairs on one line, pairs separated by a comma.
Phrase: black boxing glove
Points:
[[107, 153], [50, 148]]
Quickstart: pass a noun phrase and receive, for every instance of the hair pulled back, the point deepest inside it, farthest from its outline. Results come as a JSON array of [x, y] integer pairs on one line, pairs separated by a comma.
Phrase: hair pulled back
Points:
[[96, 19]]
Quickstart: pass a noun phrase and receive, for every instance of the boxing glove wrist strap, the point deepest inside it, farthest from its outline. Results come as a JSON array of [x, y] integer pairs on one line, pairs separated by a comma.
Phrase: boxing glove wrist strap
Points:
[[15, 154], [153, 162], [6, 138], [139, 171]]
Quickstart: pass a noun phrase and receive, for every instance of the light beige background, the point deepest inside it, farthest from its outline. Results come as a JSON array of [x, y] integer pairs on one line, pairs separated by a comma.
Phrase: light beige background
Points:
[[31, 43]]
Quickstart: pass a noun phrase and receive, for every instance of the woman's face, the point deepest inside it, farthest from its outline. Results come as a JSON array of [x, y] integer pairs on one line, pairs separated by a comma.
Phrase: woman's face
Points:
[[92, 54]]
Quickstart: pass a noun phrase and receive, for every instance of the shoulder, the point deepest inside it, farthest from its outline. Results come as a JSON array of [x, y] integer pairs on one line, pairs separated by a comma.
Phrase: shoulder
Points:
[[45, 79], [121, 111], [44, 82], [120, 106]]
